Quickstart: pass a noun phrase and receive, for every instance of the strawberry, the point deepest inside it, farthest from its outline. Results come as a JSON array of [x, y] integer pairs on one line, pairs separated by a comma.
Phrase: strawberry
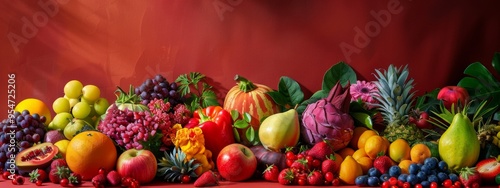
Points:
[[315, 178], [488, 169], [37, 174], [329, 165], [58, 173], [271, 173], [383, 163], [206, 179], [75, 179], [299, 164], [58, 162], [469, 177], [114, 178], [99, 181], [286, 176], [320, 150]]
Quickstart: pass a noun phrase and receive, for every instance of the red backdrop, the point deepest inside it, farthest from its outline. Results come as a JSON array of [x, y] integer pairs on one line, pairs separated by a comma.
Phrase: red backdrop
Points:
[[117, 43]]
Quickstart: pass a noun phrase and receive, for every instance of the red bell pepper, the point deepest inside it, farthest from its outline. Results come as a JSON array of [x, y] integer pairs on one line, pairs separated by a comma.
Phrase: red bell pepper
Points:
[[217, 126]]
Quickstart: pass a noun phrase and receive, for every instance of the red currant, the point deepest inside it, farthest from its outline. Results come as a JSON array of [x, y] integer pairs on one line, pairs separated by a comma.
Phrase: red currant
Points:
[[185, 179], [39, 182], [64, 182]]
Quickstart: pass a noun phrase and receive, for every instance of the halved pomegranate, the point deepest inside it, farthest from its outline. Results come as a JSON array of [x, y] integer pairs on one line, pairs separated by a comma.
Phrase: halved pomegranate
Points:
[[38, 156]]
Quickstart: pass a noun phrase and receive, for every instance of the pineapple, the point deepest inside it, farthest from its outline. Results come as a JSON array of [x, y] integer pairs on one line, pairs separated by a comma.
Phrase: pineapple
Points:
[[395, 102], [174, 165]]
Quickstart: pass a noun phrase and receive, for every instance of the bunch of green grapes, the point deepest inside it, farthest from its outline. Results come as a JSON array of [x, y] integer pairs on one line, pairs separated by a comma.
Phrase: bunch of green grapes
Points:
[[79, 103]]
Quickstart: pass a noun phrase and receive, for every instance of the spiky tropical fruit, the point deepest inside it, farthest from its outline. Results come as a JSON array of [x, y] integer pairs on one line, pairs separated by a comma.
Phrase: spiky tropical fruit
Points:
[[175, 165], [395, 102], [328, 119]]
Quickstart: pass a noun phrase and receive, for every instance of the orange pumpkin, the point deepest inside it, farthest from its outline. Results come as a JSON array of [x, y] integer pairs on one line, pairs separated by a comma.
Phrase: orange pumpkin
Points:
[[251, 98]]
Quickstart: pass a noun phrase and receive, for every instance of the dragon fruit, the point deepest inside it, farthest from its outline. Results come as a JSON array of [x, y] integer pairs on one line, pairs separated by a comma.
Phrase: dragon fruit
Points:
[[328, 119]]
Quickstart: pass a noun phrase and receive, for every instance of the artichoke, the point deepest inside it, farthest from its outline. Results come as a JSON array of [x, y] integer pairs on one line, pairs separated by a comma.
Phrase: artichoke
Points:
[[328, 119]]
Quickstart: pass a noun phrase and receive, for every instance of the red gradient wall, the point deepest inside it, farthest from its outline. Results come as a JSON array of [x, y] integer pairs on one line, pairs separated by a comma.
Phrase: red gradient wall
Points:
[[117, 43]]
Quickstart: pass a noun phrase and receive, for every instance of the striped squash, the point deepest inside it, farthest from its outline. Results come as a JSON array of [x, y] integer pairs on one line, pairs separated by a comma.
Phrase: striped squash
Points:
[[251, 98]]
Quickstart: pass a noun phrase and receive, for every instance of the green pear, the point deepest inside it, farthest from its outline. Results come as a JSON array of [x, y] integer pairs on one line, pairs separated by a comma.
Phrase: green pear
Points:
[[280, 130]]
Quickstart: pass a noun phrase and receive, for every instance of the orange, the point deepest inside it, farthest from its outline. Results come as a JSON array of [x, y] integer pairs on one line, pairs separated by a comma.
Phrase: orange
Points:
[[399, 150], [338, 159], [355, 136], [89, 151], [365, 163], [35, 106], [405, 165], [364, 136], [359, 153], [375, 146], [349, 170], [419, 152], [344, 152]]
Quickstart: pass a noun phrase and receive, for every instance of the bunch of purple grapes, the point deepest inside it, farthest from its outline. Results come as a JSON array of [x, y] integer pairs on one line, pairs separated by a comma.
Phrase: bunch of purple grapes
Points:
[[18, 133], [159, 88]]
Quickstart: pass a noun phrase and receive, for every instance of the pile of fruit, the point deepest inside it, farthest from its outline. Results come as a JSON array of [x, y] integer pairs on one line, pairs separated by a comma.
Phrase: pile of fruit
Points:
[[350, 132]]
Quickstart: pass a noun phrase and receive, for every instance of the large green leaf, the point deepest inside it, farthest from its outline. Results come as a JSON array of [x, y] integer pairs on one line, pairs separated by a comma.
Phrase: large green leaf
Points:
[[315, 97], [480, 72], [363, 119], [291, 89], [496, 62], [339, 72]]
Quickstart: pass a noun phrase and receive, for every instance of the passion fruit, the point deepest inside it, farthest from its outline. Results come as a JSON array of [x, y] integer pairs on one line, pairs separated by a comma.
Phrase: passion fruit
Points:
[[38, 156]]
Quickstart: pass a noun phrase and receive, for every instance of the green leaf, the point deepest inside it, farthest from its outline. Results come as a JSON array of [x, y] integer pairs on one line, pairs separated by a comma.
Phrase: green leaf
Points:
[[496, 62], [315, 97], [250, 133], [364, 119], [240, 124], [339, 72], [209, 99], [235, 114], [278, 98], [236, 135], [291, 89], [247, 117], [480, 72]]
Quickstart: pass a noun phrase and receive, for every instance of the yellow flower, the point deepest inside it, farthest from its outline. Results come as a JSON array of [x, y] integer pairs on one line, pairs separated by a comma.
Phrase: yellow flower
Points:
[[192, 142]]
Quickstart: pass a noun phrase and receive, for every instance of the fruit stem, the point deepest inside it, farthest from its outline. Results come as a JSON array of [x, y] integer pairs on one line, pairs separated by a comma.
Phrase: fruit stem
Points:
[[244, 84]]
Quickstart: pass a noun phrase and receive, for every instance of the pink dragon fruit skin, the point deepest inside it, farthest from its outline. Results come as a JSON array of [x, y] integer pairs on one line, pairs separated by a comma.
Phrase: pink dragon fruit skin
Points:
[[328, 119]]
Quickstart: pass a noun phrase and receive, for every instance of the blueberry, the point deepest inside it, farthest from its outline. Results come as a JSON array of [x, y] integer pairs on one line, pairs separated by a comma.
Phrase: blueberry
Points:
[[413, 169], [453, 177], [433, 178], [443, 166], [361, 180], [442, 176], [373, 181], [421, 176], [426, 169], [394, 171], [373, 172], [425, 184], [403, 177], [384, 177], [412, 179], [432, 162]]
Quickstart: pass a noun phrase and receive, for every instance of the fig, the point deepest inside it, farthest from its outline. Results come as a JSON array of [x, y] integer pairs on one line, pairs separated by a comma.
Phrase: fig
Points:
[[53, 136], [267, 157], [38, 156]]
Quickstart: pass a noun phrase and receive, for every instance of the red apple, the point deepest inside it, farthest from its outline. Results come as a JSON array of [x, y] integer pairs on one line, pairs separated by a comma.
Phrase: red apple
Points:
[[236, 162], [452, 95], [138, 164]]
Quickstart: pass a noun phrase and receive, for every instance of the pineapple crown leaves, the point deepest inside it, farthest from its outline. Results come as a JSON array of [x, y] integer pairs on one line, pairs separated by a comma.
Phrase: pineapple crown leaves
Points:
[[174, 164], [395, 93]]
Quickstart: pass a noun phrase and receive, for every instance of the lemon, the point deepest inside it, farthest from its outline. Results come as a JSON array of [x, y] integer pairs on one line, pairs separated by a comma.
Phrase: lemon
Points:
[[35, 106], [399, 150], [62, 145]]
